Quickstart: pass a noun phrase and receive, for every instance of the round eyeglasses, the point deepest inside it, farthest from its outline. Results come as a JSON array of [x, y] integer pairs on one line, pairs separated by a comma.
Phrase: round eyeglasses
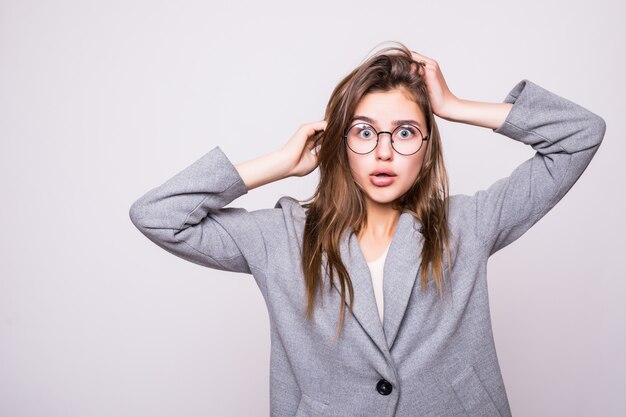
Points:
[[406, 139]]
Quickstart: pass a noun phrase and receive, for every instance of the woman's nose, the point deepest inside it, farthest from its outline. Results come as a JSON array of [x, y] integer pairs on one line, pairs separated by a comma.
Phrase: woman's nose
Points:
[[384, 150]]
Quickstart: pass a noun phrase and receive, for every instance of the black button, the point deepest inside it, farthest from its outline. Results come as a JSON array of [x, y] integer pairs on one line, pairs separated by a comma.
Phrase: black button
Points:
[[384, 387]]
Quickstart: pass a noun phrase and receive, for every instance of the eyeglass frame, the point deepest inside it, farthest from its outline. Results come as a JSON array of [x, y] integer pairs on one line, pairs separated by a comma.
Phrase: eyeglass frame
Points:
[[424, 138]]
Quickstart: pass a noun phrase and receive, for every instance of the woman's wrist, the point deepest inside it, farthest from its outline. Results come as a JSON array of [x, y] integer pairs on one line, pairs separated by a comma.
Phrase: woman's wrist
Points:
[[264, 169]]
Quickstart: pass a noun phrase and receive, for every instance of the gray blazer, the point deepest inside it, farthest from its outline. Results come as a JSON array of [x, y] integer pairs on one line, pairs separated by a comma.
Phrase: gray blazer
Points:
[[431, 357]]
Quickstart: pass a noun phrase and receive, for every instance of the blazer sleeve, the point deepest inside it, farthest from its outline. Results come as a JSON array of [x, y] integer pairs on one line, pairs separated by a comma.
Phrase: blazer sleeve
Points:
[[186, 216], [565, 137]]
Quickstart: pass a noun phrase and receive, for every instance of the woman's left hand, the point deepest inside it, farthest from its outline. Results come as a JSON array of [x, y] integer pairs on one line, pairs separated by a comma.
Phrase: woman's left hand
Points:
[[441, 99]]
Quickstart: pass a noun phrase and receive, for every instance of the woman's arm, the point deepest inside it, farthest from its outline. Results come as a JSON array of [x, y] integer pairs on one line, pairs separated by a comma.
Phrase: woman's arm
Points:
[[186, 215], [564, 135], [263, 170], [491, 115]]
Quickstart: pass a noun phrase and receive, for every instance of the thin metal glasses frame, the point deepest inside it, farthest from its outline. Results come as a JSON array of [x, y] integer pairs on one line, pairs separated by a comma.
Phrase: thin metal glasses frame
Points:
[[424, 138]]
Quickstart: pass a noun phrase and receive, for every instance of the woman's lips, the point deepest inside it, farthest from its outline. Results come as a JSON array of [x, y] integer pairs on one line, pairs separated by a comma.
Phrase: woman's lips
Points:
[[381, 180]]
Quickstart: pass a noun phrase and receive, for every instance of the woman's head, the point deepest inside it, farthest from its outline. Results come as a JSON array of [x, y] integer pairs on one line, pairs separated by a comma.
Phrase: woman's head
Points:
[[385, 88], [385, 144]]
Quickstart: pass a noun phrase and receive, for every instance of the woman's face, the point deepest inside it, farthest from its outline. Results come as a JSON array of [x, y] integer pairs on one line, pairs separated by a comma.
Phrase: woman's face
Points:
[[381, 110]]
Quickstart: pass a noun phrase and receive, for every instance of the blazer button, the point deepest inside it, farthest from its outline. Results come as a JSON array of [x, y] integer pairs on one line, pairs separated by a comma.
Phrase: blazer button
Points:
[[384, 387]]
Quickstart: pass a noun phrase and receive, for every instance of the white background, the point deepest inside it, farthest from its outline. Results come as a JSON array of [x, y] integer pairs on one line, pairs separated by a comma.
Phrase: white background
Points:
[[102, 100]]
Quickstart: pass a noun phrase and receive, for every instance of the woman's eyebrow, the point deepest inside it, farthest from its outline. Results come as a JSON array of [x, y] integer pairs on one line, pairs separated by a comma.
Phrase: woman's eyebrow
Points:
[[393, 122]]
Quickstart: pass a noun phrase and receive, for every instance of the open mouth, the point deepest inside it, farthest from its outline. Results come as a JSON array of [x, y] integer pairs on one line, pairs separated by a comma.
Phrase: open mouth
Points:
[[382, 179]]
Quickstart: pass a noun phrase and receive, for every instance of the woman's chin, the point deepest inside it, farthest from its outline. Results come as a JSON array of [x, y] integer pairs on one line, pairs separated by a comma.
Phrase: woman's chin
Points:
[[382, 196]]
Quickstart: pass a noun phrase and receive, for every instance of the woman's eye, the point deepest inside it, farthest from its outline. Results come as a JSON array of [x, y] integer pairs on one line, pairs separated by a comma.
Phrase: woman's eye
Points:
[[406, 132], [366, 132]]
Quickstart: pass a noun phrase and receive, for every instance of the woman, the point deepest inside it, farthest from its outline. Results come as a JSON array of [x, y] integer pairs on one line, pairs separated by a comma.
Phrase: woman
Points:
[[381, 209]]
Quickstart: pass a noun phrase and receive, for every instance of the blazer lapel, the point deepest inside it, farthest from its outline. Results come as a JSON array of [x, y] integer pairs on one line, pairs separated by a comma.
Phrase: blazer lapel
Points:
[[402, 266], [400, 270], [364, 307]]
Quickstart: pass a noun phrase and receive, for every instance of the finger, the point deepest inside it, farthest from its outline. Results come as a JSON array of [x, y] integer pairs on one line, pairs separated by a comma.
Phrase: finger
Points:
[[419, 67], [320, 125], [421, 63], [312, 129], [310, 142], [419, 57], [311, 147], [416, 68], [425, 64], [315, 150]]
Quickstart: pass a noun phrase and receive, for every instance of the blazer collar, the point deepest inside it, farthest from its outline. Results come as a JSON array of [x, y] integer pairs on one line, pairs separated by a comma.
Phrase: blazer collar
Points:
[[400, 271]]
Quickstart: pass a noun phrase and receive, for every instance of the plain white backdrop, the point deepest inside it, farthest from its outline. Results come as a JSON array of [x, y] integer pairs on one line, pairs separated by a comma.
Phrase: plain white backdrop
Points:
[[102, 100]]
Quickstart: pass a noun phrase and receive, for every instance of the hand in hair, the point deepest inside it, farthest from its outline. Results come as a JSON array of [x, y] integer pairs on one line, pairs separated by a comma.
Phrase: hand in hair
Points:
[[439, 95], [292, 159], [299, 151], [448, 106]]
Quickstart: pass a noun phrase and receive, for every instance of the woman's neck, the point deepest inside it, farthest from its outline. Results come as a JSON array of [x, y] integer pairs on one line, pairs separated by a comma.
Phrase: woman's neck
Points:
[[381, 222]]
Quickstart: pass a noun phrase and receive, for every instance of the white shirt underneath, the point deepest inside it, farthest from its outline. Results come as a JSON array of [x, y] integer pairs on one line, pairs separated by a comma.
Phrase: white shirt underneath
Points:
[[376, 271]]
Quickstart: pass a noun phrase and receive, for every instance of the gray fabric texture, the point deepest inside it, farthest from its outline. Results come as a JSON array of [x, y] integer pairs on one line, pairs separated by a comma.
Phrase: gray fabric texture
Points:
[[438, 354]]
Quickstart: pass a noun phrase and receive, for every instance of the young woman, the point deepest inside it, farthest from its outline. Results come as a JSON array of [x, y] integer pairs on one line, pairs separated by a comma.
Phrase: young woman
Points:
[[380, 235]]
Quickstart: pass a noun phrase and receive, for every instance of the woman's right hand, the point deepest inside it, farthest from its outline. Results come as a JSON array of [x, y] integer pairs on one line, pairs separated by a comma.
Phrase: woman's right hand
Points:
[[298, 150]]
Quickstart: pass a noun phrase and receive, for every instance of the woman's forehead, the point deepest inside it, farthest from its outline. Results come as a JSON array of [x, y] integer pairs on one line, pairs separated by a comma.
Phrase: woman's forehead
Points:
[[388, 108]]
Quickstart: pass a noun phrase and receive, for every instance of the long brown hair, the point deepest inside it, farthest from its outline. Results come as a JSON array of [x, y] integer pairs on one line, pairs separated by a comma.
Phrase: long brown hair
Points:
[[338, 203]]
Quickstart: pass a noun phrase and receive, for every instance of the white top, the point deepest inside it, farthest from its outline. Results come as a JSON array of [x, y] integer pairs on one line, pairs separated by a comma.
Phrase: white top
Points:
[[376, 270]]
